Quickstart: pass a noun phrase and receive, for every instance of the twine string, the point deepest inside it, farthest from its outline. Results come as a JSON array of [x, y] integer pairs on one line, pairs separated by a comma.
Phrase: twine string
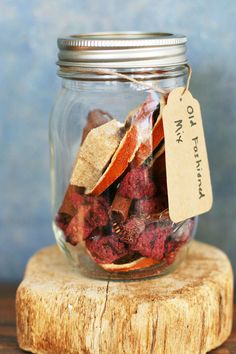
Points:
[[131, 79], [188, 79]]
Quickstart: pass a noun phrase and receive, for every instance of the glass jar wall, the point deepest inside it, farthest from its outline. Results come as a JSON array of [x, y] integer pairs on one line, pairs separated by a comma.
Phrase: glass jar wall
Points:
[[109, 191]]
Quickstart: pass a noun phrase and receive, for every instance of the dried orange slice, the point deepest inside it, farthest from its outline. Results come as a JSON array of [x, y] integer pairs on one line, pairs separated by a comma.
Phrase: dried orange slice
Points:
[[157, 134], [119, 162], [151, 143], [95, 153], [139, 132], [140, 263]]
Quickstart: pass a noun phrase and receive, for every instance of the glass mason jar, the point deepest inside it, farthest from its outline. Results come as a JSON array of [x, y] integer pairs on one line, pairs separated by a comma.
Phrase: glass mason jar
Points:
[[109, 191]]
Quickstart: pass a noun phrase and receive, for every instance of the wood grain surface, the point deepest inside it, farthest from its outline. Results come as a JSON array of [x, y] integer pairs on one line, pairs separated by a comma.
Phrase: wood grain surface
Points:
[[189, 311], [8, 341]]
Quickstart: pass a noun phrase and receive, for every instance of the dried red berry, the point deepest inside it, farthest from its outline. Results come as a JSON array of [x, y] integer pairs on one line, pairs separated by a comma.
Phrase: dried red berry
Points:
[[97, 212], [131, 230], [62, 220], [106, 249], [76, 199], [170, 246], [92, 214], [78, 230], [173, 246], [137, 184], [151, 243]]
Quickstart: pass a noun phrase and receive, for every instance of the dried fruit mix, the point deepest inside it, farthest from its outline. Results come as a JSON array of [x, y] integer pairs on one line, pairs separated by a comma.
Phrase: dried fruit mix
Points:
[[116, 202]]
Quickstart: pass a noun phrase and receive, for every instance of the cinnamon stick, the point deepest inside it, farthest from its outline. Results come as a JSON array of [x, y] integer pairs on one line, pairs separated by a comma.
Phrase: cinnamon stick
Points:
[[120, 208]]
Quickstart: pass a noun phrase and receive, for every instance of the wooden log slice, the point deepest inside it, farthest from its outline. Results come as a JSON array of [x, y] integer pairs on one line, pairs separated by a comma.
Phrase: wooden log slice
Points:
[[186, 312]]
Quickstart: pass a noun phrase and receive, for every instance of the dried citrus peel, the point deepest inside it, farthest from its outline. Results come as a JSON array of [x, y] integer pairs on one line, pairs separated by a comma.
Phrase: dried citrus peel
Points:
[[119, 162], [141, 124], [95, 153], [151, 143], [135, 265]]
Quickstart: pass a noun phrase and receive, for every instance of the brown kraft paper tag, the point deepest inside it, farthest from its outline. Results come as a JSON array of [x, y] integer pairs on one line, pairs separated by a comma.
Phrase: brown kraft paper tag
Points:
[[187, 169]]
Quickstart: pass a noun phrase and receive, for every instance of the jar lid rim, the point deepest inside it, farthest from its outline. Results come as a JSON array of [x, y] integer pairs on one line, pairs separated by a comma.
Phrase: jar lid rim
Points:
[[122, 49], [120, 40]]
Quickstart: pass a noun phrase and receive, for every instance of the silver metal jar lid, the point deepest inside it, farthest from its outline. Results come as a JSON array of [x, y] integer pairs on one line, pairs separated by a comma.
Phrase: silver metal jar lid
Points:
[[122, 50]]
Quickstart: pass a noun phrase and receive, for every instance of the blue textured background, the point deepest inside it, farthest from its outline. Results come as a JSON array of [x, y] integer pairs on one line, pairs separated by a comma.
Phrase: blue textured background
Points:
[[28, 32]]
